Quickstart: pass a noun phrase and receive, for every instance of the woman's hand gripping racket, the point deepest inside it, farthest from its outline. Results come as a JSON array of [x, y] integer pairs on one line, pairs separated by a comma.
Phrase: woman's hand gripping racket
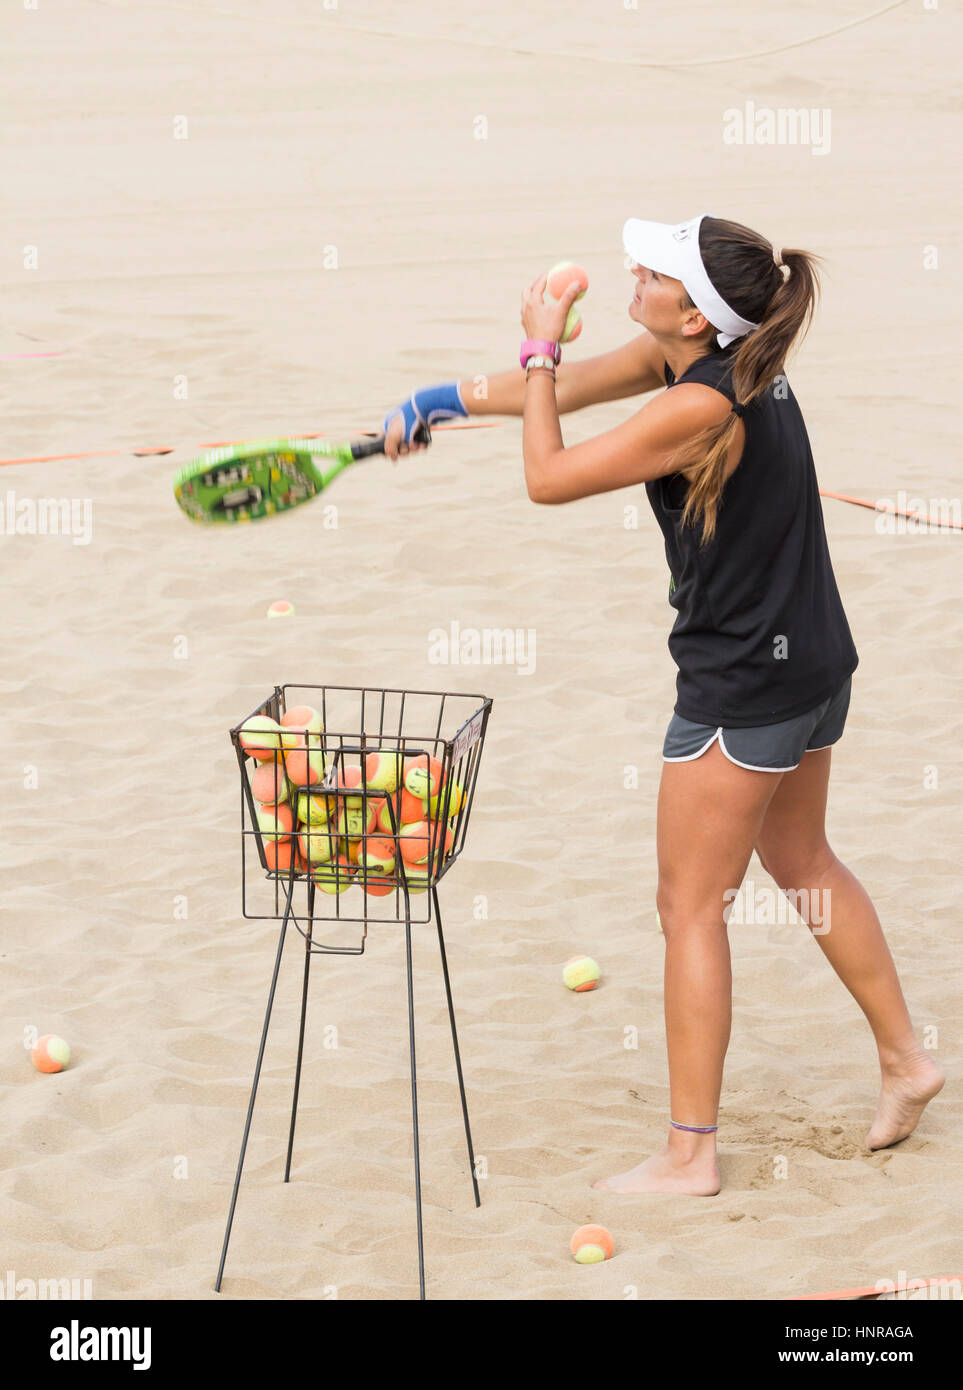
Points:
[[267, 476]]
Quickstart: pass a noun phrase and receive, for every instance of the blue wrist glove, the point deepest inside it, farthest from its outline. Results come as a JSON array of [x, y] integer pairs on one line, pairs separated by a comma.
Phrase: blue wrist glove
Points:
[[427, 406]]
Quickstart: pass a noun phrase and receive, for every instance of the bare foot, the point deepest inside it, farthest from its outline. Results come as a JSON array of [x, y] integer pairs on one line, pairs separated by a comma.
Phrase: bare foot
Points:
[[904, 1095], [668, 1172]]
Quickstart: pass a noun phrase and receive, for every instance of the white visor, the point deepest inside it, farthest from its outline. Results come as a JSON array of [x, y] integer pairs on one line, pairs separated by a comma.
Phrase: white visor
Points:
[[674, 250]]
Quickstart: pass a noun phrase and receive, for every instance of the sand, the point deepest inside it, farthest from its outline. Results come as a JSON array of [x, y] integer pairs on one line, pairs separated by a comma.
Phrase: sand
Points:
[[183, 281]]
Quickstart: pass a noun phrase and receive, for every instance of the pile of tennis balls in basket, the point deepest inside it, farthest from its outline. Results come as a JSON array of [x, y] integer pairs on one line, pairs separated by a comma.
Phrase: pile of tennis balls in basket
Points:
[[343, 839]]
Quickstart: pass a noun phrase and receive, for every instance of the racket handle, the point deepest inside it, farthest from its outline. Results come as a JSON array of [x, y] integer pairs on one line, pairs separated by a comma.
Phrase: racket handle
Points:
[[364, 448]]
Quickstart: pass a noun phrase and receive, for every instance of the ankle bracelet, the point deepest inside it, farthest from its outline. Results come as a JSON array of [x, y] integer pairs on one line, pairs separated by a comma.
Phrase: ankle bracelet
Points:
[[694, 1129]]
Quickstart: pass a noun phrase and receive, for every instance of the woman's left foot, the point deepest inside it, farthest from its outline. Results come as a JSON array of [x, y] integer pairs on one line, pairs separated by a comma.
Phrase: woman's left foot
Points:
[[903, 1097], [665, 1172]]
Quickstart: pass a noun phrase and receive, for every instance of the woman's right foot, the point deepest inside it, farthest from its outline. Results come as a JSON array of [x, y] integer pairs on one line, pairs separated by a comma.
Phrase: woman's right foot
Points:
[[668, 1171], [905, 1092]]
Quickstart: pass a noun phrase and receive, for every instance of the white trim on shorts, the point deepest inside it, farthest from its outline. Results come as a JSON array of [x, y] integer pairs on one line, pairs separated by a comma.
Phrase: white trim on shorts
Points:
[[691, 757], [750, 767]]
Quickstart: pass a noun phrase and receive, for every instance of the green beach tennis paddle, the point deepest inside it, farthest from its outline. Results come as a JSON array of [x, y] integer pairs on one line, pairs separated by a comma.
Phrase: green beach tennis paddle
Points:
[[265, 477]]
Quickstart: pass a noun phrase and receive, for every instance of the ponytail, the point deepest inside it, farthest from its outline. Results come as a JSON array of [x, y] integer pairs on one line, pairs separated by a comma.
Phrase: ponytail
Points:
[[782, 300]]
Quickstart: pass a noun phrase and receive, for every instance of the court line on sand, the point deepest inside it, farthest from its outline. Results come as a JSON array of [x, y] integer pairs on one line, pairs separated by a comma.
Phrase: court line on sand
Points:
[[148, 451]]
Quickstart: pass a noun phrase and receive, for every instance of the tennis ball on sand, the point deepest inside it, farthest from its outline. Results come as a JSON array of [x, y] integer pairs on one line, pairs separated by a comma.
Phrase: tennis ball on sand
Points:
[[260, 736], [592, 1244], [281, 608], [580, 973], [50, 1053], [269, 784]]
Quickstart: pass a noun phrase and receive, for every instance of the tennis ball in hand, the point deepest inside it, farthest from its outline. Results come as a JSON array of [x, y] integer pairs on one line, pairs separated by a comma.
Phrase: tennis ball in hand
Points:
[[559, 278], [580, 973], [573, 326], [50, 1053], [592, 1244]]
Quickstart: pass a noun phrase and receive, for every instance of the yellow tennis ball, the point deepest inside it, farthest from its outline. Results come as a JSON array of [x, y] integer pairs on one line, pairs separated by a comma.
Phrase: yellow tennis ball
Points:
[[50, 1053], [573, 326], [581, 973], [591, 1245]]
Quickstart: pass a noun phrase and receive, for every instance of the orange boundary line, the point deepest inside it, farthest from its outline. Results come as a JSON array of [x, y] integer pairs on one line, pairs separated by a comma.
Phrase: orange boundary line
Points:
[[910, 1287], [147, 450], [896, 511]]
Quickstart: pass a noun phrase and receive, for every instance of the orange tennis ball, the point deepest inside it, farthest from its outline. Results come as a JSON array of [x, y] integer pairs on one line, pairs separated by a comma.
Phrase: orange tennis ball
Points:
[[301, 727], [304, 769], [561, 276], [413, 842], [592, 1244], [260, 736], [50, 1053], [269, 784], [279, 854]]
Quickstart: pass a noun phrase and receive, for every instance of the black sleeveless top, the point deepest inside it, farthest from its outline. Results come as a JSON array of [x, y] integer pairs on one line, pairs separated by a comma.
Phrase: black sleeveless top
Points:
[[761, 634]]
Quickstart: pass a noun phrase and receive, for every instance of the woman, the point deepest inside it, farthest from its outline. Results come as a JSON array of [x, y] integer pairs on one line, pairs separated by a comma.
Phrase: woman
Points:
[[760, 638]]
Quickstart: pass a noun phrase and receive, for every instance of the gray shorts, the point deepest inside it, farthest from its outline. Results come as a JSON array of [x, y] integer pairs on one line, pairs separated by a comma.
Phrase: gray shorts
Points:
[[767, 747]]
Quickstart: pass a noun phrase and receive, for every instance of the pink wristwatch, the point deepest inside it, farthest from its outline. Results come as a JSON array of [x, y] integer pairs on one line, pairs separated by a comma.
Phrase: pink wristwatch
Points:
[[540, 347]]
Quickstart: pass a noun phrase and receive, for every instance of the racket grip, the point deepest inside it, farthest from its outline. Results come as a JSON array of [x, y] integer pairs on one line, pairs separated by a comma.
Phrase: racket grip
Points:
[[364, 448]]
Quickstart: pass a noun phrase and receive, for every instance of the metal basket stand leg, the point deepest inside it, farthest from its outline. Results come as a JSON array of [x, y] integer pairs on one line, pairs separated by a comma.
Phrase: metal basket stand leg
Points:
[[257, 1077]]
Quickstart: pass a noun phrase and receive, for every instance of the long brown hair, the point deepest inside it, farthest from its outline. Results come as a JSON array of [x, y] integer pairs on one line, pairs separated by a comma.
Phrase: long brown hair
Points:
[[740, 263]]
